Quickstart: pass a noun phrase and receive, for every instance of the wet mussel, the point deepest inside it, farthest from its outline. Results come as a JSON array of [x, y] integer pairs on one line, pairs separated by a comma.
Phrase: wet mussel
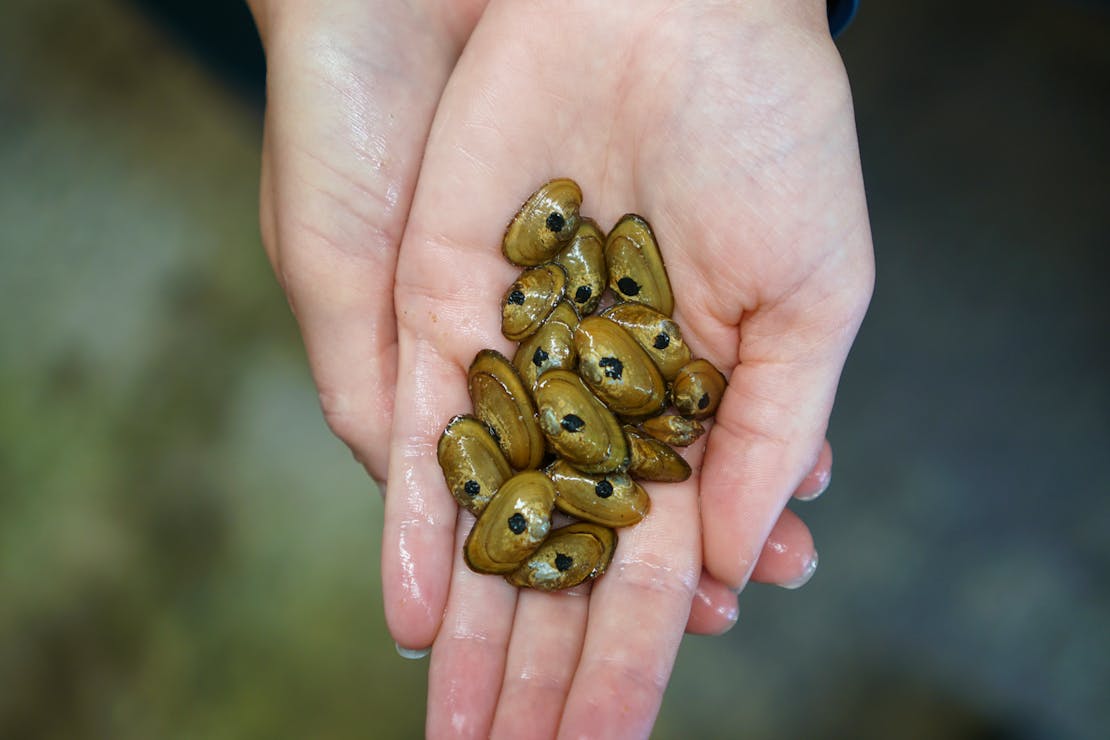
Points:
[[600, 390]]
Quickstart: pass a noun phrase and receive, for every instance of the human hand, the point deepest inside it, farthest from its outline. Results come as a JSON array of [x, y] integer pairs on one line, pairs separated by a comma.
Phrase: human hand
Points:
[[729, 127]]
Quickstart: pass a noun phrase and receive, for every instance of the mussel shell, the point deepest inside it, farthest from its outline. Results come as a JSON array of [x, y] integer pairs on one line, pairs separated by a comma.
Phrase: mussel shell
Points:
[[501, 400], [516, 521], [577, 425], [653, 460], [636, 271], [674, 429], [584, 261], [472, 462], [544, 224], [550, 348], [698, 389], [531, 299], [614, 500], [617, 369], [571, 555], [659, 335]]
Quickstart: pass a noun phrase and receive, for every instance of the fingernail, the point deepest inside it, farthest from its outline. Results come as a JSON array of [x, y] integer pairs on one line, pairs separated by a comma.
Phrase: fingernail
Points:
[[803, 579], [412, 654], [824, 478]]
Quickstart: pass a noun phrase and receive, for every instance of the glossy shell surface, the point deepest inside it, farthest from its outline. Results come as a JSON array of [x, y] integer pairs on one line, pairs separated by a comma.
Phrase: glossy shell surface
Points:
[[614, 500], [472, 462], [501, 400], [617, 369], [577, 425], [516, 521], [544, 224], [636, 271], [531, 299], [654, 460], [571, 555], [584, 261], [698, 389], [674, 429], [657, 334], [550, 348]]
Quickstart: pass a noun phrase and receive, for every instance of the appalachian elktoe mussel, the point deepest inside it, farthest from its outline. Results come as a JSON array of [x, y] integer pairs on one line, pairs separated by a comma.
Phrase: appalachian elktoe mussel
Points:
[[584, 410]]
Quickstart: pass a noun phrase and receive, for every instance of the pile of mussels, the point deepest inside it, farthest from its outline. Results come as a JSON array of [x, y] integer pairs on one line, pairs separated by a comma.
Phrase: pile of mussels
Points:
[[582, 409]]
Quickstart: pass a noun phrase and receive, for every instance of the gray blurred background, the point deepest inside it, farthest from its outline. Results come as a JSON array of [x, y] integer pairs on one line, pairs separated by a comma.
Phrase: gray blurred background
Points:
[[185, 551]]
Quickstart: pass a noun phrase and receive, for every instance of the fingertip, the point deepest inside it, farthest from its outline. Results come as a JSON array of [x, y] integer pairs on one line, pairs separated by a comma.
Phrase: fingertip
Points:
[[788, 558], [819, 478], [715, 608]]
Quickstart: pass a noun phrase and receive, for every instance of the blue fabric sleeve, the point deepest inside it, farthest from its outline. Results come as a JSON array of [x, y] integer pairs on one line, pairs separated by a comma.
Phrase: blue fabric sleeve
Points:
[[841, 13]]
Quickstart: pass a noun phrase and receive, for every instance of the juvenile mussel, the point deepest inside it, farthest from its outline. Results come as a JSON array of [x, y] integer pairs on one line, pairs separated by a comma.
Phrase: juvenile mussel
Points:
[[590, 404]]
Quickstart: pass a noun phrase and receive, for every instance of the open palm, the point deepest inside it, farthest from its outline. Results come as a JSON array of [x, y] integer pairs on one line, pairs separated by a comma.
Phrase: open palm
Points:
[[731, 131]]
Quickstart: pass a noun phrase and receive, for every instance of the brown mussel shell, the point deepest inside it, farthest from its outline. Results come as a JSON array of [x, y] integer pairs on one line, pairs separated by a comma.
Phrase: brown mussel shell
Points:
[[698, 389], [472, 462], [673, 429], [516, 521], [531, 299], [584, 261], [636, 271], [571, 555], [658, 335], [617, 369], [653, 460], [614, 500], [544, 224], [501, 401], [577, 425], [550, 348]]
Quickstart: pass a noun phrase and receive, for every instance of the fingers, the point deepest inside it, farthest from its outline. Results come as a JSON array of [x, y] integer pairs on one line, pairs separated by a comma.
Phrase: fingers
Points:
[[543, 654], [347, 116], [468, 658], [637, 613], [818, 479], [715, 607]]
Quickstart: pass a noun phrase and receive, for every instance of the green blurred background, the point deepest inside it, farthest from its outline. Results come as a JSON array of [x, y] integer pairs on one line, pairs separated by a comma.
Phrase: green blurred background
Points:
[[186, 552]]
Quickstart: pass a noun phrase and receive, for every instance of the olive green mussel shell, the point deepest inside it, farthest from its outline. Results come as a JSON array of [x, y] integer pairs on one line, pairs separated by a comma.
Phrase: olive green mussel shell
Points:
[[698, 389], [544, 224], [636, 271], [674, 429], [516, 521], [550, 348], [614, 500], [653, 460], [472, 463], [531, 299], [571, 555], [584, 261], [658, 335], [501, 400], [617, 369], [577, 425]]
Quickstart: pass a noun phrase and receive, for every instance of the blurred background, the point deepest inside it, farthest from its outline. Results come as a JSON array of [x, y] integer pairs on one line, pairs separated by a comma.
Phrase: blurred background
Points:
[[186, 552]]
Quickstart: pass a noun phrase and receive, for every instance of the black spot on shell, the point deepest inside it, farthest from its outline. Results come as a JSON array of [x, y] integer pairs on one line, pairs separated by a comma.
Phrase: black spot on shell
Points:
[[628, 286], [614, 368], [604, 489], [517, 523], [662, 341], [539, 357], [583, 293], [572, 422], [472, 488], [703, 402], [516, 298], [555, 222], [563, 562]]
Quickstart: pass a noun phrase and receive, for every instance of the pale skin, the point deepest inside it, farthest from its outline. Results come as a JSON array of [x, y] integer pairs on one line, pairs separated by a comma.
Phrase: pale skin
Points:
[[399, 141]]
